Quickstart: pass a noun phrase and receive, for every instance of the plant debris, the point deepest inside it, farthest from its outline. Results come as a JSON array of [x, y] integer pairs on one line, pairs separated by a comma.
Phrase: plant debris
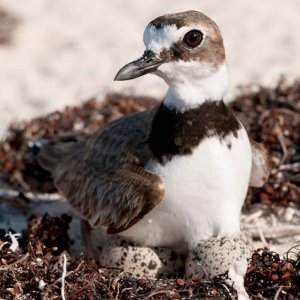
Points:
[[272, 117], [34, 271], [269, 276], [51, 231]]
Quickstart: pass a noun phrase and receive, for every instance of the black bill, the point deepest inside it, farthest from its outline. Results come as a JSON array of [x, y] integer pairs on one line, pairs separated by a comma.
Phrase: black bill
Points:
[[148, 63]]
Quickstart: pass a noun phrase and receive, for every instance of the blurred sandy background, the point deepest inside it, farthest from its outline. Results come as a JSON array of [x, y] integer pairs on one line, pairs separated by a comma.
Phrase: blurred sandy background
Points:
[[65, 51]]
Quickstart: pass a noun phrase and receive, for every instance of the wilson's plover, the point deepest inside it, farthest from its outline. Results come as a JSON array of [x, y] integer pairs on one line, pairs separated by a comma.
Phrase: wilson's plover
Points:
[[178, 173]]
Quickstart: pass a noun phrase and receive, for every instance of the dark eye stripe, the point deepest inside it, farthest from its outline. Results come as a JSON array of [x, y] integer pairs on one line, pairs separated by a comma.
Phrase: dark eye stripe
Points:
[[193, 38]]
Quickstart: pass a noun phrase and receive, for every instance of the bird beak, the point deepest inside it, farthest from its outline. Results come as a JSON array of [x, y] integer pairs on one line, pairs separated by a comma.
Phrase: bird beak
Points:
[[148, 63]]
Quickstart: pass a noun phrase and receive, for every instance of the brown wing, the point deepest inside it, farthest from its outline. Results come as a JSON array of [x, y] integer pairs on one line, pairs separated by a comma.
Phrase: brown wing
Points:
[[260, 165], [103, 178]]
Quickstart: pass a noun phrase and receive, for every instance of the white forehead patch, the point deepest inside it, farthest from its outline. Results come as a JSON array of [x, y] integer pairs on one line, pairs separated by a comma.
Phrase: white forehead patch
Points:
[[156, 39]]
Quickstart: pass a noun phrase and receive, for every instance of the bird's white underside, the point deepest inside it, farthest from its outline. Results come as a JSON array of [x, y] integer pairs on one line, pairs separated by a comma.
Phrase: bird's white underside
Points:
[[204, 193]]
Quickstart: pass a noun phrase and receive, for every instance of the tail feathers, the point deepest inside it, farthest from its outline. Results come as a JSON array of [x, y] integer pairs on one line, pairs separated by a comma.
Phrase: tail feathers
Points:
[[52, 154], [49, 157]]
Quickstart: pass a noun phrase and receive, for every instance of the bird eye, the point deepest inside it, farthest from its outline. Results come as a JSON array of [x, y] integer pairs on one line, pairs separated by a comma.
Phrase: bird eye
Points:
[[193, 38]]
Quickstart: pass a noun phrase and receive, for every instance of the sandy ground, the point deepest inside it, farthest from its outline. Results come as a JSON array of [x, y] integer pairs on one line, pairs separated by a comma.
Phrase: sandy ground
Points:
[[66, 51]]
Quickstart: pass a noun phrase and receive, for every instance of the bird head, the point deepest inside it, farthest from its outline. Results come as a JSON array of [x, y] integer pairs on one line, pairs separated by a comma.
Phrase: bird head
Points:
[[186, 50]]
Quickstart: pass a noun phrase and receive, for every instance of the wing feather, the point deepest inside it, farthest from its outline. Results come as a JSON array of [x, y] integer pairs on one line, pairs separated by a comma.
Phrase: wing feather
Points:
[[260, 165], [104, 177]]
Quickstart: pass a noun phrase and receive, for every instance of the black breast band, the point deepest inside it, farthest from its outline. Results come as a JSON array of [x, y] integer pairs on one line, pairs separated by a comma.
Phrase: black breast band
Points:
[[174, 132]]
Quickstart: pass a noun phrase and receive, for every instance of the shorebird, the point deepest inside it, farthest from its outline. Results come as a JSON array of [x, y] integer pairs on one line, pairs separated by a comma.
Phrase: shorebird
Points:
[[178, 173]]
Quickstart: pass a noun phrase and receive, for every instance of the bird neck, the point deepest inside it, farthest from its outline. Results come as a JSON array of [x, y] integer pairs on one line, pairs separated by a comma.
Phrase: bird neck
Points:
[[190, 91]]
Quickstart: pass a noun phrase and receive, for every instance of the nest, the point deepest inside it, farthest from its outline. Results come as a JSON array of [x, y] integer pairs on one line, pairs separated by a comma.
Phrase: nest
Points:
[[40, 268], [35, 271]]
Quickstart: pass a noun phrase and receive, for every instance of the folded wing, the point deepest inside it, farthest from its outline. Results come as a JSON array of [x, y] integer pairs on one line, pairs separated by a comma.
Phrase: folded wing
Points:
[[103, 177], [260, 165]]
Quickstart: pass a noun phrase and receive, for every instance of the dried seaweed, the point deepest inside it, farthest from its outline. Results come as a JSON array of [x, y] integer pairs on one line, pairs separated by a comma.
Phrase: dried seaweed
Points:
[[272, 116], [269, 276], [35, 272]]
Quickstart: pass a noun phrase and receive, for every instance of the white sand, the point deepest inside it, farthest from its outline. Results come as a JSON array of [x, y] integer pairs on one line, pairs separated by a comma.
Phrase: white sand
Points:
[[68, 50]]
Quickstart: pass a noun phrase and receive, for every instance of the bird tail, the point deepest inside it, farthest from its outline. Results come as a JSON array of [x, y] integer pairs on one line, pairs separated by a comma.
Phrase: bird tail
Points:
[[48, 157], [50, 154]]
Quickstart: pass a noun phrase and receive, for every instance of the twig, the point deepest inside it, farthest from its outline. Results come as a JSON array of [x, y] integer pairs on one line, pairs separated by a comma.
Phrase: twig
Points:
[[190, 292], [63, 276], [261, 235], [294, 166], [278, 293], [14, 242], [288, 253], [227, 289], [15, 263], [285, 111], [204, 271], [272, 232], [263, 116], [166, 292], [106, 289], [3, 244], [281, 140], [253, 216], [7, 193], [126, 290]]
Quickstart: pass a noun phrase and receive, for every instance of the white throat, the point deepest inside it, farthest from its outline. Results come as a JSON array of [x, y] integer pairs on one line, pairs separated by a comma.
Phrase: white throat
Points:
[[193, 83]]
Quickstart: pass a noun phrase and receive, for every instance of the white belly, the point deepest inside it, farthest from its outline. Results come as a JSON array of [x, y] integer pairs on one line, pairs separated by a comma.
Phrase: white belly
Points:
[[204, 193]]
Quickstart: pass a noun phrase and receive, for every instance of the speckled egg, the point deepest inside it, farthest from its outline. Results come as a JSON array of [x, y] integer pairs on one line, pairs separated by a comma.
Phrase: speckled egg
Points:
[[140, 261], [214, 256]]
